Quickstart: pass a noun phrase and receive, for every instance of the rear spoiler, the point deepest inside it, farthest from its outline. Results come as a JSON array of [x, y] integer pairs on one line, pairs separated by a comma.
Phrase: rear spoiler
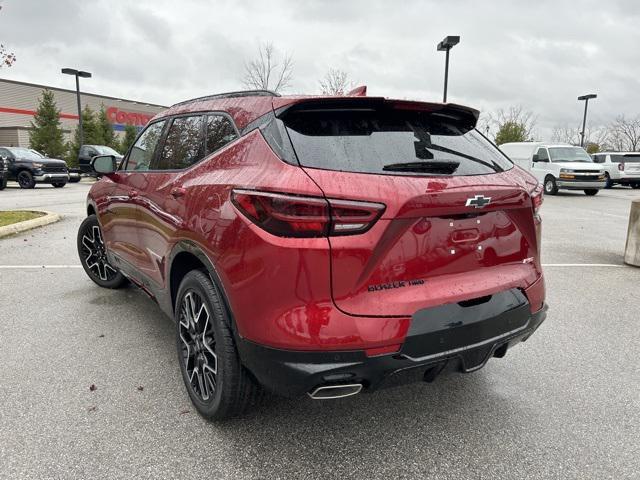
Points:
[[465, 118]]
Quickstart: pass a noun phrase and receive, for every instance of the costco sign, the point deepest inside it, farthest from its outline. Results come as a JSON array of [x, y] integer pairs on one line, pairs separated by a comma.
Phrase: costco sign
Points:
[[122, 117]]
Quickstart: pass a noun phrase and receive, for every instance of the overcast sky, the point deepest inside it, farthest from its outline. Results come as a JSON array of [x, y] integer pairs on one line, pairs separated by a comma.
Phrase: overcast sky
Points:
[[538, 54]]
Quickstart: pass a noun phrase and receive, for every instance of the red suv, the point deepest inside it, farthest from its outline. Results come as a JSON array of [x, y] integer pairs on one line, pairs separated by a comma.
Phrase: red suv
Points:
[[320, 245]]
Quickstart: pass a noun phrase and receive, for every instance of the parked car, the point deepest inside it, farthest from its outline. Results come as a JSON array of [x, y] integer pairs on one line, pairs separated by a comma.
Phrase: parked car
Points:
[[28, 168], [87, 152], [74, 174], [319, 245], [4, 172], [621, 168], [557, 166]]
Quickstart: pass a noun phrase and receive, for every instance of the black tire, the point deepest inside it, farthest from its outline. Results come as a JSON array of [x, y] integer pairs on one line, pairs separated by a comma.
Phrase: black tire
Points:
[[591, 191], [59, 184], [3, 183], [25, 179], [609, 183], [93, 257], [74, 179], [635, 186], [217, 383], [550, 186]]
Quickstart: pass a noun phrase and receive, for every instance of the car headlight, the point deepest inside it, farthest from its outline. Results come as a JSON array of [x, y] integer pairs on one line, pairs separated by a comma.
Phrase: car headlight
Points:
[[566, 170], [36, 165]]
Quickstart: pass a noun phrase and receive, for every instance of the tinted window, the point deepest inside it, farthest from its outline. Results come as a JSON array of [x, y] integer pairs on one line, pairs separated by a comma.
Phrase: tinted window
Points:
[[391, 142], [625, 158], [219, 132], [184, 144], [142, 151], [599, 158], [542, 154]]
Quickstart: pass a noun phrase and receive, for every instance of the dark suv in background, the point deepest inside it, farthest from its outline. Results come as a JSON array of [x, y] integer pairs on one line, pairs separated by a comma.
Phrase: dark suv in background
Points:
[[87, 152], [4, 165], [29, 167]]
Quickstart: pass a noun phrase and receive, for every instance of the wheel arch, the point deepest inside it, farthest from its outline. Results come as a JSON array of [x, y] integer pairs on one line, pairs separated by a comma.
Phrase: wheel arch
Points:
[[185, 257]]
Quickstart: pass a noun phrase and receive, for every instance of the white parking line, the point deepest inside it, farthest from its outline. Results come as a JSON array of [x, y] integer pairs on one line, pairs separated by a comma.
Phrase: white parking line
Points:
[[583, 265], [35, 267]]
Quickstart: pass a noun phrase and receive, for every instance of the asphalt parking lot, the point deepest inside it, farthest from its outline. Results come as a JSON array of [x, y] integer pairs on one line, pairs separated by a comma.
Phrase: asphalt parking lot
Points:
[[566, 404]]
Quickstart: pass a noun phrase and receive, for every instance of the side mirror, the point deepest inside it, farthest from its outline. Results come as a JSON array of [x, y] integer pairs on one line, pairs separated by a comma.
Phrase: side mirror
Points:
[[104, 164], [535, 158]]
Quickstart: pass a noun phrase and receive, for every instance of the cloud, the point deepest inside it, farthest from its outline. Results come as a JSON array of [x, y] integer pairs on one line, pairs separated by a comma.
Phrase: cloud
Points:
[[541, 55]]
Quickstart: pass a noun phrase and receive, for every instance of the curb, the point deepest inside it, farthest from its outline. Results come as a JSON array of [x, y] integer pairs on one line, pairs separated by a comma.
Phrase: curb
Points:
[[46, 219]]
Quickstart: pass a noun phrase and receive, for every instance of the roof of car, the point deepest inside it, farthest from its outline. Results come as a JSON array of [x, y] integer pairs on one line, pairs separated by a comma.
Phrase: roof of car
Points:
[[246, 106], [617, 153]]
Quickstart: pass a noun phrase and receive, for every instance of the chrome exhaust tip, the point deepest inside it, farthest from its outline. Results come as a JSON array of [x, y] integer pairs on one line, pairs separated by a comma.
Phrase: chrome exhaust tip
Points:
[[330, 392]]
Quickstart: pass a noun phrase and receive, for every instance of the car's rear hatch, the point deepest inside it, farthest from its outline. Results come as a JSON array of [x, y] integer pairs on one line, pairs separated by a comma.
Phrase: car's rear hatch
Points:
[[630, 162], [458, 222]]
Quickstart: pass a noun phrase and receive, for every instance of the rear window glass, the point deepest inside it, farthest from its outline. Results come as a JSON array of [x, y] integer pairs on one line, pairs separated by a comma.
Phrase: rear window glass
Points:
[[625, 158], [390, 142]]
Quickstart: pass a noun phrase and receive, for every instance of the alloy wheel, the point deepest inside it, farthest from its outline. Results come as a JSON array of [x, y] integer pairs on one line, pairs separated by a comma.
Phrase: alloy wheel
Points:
[[95, 255], [24, 180], [198, 346]]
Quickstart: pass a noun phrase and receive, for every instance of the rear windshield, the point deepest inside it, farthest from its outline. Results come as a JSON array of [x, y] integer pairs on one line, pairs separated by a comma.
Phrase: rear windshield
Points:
[[625, 158], [390, 142]]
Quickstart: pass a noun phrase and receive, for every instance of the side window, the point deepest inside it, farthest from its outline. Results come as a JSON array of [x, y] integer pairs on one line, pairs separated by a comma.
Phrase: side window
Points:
[[543, 155], [142, 151], [184, 144], [598, 158], [220, 131]]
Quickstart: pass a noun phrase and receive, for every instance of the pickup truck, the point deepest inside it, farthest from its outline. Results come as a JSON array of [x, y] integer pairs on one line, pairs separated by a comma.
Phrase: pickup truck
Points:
[[29, 168]]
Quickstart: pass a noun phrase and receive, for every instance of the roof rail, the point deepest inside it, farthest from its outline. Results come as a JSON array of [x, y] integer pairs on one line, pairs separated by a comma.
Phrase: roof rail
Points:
[[240, 93]]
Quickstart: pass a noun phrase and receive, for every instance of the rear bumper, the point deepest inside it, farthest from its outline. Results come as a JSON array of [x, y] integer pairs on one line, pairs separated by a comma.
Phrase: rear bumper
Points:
[[451, 336], [627, 180]]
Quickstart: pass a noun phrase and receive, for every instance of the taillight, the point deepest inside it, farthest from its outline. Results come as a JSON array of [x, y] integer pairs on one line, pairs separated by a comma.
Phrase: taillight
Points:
[[288, 215], [621, 166], [536, 198]]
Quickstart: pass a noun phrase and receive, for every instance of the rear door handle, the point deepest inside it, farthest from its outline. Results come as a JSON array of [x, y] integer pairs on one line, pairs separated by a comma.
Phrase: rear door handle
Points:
[[177, 192]]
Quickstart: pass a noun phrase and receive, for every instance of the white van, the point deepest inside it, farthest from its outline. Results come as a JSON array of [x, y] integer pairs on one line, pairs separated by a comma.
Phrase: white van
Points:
[[557, 166]]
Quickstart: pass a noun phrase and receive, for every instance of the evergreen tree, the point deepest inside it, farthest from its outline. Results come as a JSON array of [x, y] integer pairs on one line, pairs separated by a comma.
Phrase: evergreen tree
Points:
[[106, 130], [46, 134], [130, 134], [92, 135]]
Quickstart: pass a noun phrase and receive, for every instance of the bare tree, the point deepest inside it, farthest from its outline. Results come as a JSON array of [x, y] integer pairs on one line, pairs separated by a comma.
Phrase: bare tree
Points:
[[566, 134], [335, 82], [268, 72], [514, 124], [628, 131], [595, 138], [6, 58]]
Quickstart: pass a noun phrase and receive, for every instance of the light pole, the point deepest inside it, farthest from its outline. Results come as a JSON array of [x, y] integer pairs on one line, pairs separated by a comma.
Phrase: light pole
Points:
[[78, 74], [584, 119], [444, 46]]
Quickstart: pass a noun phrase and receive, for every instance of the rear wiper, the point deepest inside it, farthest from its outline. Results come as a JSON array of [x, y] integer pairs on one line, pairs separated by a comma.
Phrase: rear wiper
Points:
[[445, 168]]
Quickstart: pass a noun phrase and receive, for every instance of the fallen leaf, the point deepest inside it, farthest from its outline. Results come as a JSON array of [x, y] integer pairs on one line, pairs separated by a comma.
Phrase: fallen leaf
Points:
[[93, 387], [186, 410], [92, 408], [140, 388], [101, 335]]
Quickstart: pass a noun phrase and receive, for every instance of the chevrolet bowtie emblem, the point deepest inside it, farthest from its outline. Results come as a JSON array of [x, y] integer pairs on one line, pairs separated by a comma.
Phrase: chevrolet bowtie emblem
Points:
[[479, 201]]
